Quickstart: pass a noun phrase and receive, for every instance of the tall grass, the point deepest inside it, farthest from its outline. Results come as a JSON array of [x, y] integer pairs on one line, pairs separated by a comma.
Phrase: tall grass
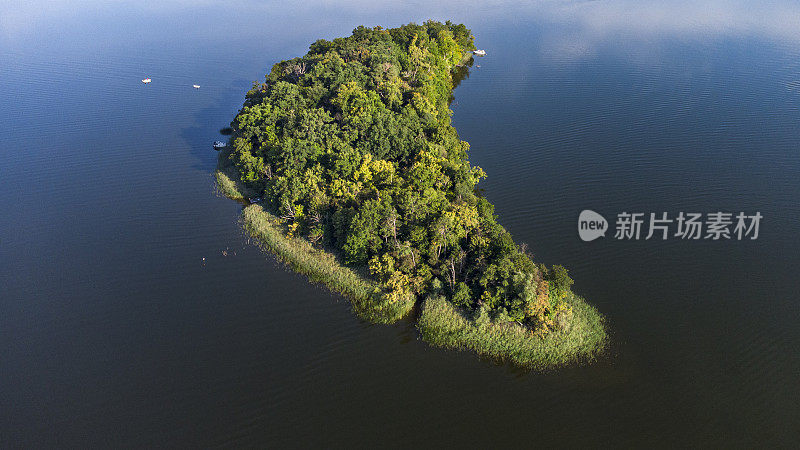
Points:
[[227, 187], [228, 179], [442, 324], [368, 299]]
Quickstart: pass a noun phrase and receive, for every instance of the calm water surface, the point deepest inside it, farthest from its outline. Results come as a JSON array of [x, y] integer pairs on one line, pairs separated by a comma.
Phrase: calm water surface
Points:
[[133, 311]]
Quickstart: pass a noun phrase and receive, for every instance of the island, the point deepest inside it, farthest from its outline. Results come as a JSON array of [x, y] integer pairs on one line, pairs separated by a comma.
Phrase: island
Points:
[[351, 173]]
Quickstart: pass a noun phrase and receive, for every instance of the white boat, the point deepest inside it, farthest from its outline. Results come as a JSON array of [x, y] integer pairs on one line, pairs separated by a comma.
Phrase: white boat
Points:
[[479, 52], [219, 144], [146, 80], [196, 86]]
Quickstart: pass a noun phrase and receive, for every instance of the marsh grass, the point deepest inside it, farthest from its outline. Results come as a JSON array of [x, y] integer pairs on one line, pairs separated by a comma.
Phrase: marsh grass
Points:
[[444, 325], [369, 300], [227, 178], [227, 187]]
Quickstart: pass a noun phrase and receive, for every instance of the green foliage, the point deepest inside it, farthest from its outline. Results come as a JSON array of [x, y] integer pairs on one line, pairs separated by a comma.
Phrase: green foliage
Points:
[[560, 282], [462, 295], [352, 146]]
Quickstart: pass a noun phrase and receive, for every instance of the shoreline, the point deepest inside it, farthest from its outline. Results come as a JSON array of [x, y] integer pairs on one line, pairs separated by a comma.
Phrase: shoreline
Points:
[[440, 323]]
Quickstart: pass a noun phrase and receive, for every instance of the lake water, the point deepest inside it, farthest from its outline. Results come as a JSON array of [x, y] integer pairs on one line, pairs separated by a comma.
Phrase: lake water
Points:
[[134, 312]]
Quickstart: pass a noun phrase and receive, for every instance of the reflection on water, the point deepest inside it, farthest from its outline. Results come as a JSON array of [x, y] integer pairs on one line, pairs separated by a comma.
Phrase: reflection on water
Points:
[[136, 313]]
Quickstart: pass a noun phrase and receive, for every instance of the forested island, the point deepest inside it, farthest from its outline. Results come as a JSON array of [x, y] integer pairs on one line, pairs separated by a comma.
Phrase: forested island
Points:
[[363, 184]]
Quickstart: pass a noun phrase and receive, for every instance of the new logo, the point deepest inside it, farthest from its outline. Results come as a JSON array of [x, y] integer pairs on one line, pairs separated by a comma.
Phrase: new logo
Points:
[[591, 225]]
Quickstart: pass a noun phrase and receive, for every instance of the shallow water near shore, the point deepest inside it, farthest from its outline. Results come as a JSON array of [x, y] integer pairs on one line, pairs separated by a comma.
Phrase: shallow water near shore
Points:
[[135, 312]]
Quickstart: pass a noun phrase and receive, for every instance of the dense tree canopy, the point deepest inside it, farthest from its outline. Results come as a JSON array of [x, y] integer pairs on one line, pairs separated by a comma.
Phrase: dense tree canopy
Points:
[[352, 146]]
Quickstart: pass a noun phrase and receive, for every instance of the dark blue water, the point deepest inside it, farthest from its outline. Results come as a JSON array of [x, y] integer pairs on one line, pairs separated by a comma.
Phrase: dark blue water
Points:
[[134, 312]]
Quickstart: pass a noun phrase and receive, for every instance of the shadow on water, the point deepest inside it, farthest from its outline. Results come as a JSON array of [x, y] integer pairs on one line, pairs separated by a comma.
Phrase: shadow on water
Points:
[[460, 73], [213, 121]]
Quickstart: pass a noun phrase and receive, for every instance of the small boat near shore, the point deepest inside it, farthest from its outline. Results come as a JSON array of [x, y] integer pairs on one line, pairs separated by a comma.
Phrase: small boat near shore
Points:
[[479, 52], [219, 145]]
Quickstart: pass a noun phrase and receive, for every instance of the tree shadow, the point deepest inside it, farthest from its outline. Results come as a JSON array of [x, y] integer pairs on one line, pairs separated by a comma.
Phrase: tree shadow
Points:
[[212, 123]]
